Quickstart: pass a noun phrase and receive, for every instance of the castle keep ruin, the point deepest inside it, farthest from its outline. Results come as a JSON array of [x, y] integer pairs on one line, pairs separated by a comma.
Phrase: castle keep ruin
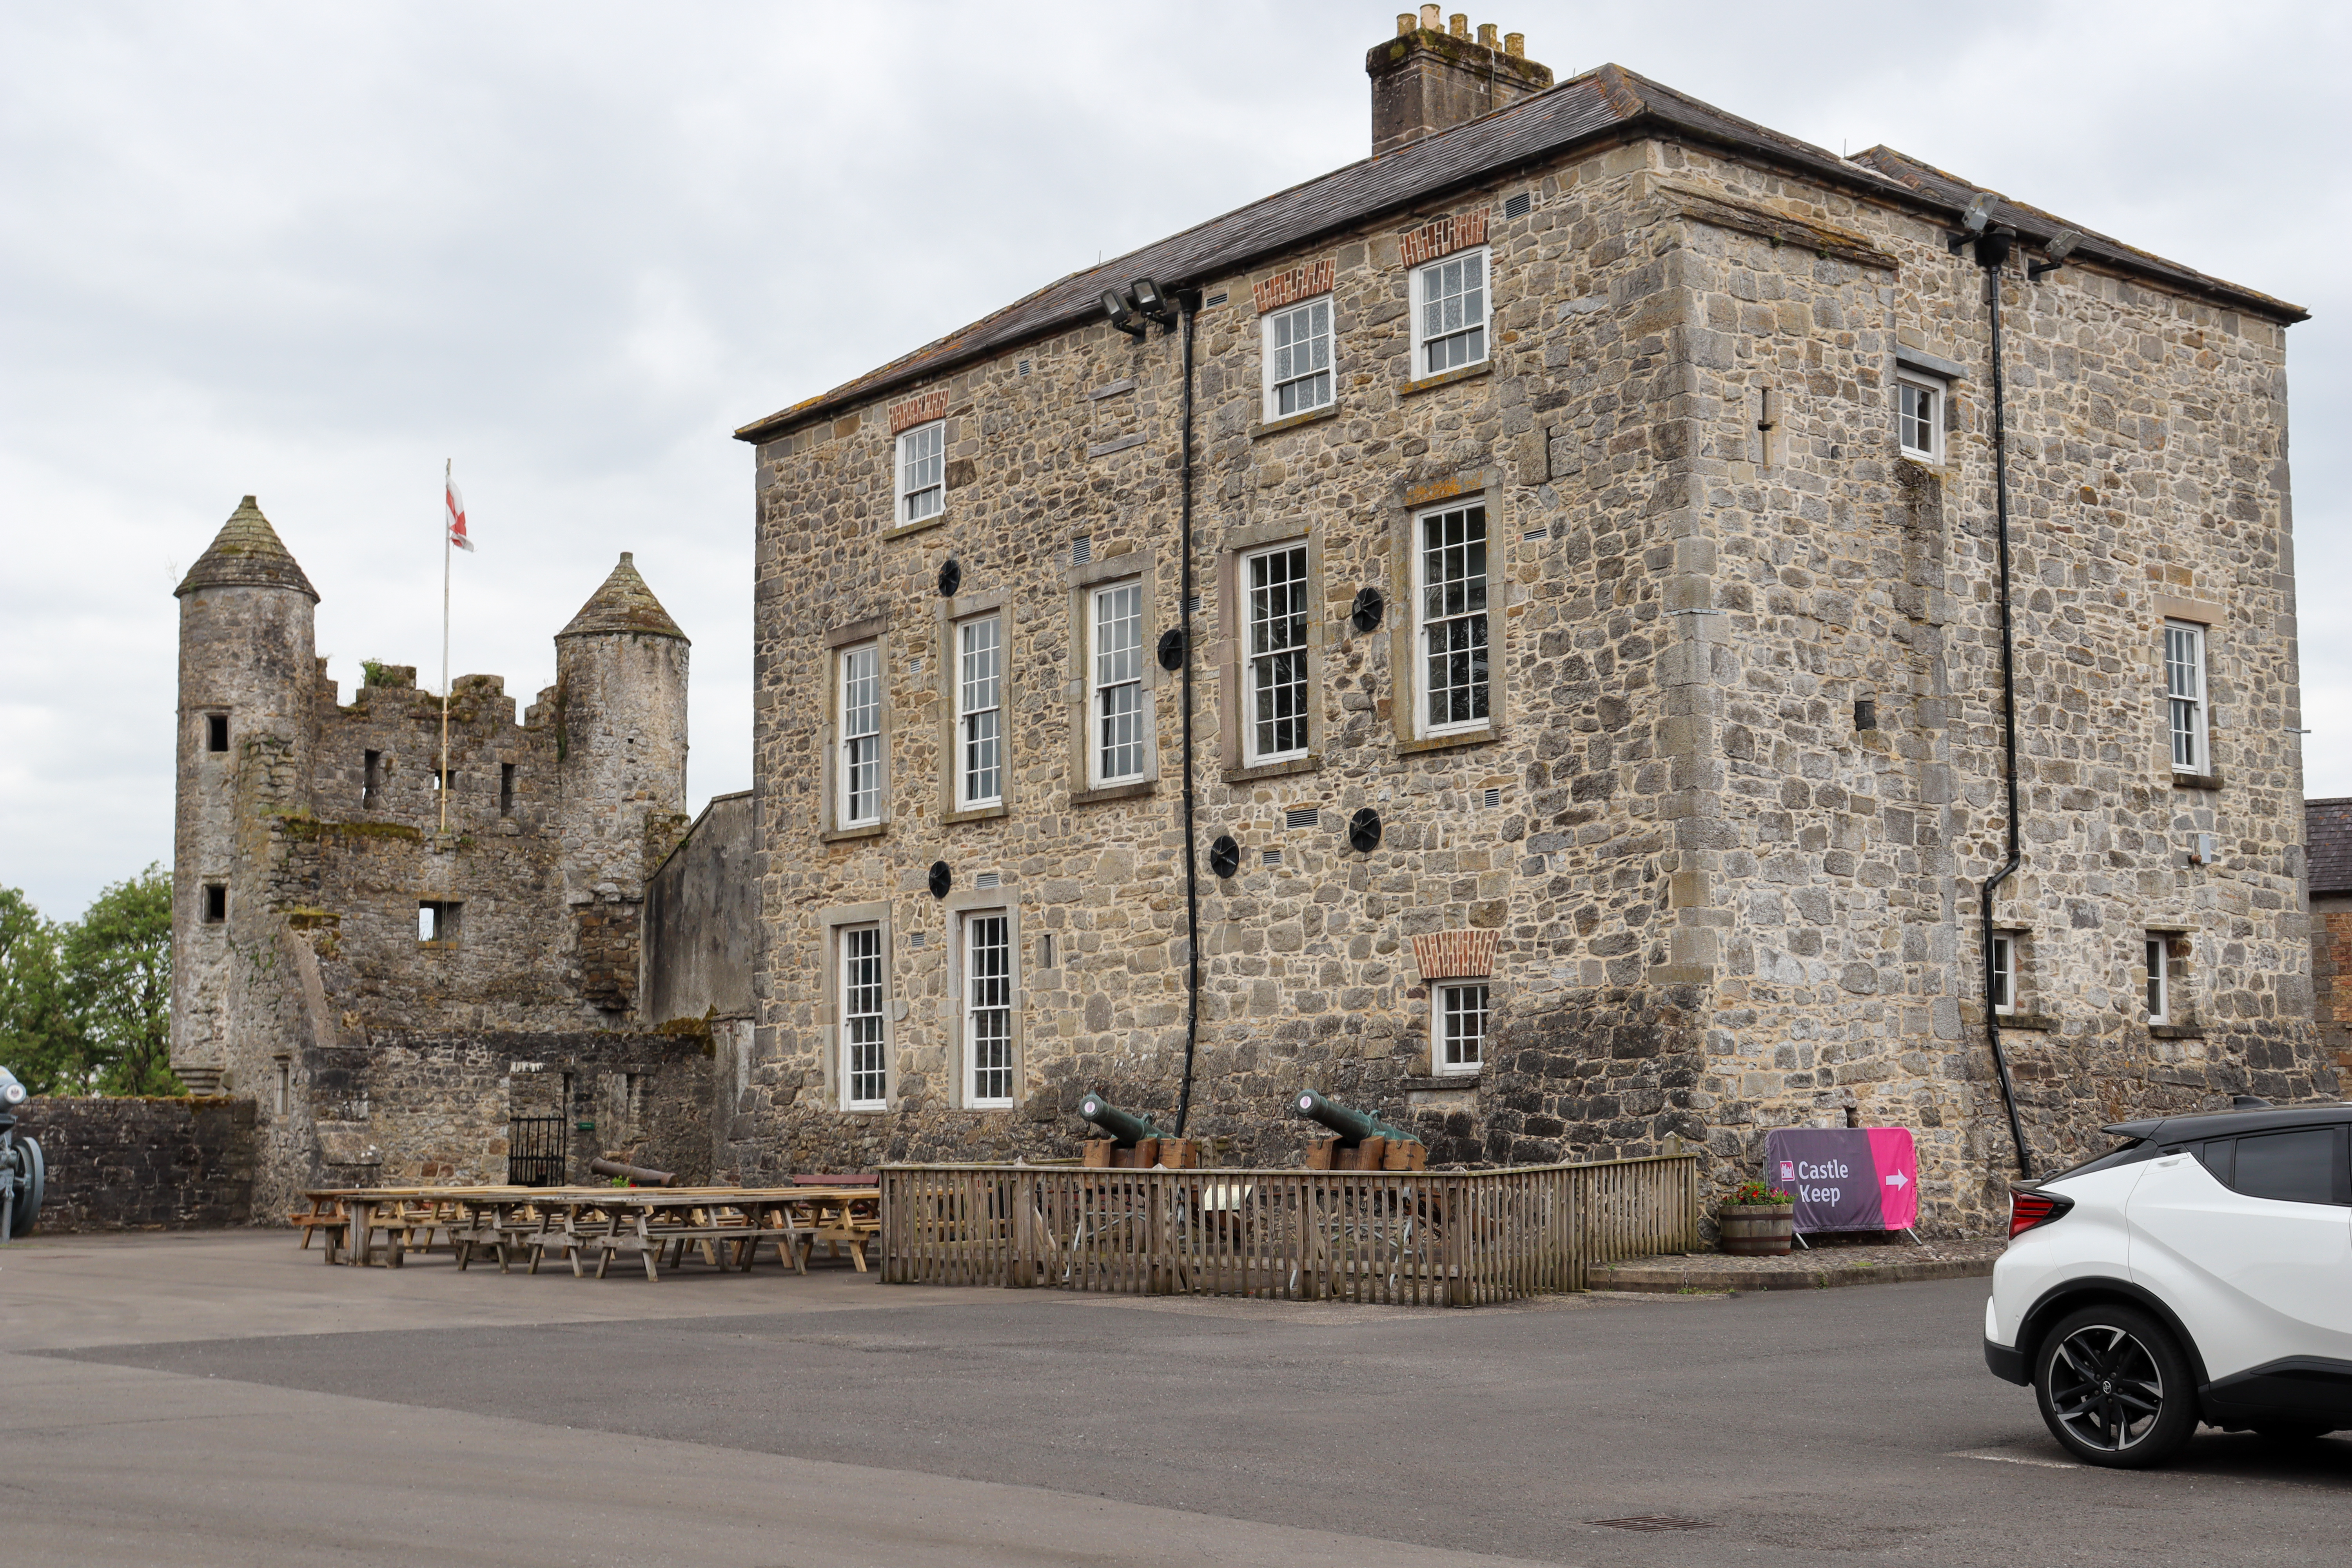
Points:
[[391, 993]]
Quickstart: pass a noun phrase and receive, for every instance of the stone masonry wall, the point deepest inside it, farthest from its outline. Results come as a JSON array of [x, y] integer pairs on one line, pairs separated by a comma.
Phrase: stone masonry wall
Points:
[[1308, 977], [2331, 976], [422, 1108], [143, 1164], [2148, 479], [1719, 906]]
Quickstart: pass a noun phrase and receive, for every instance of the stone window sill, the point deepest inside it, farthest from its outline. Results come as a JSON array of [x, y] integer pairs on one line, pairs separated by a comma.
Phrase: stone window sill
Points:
[[976, 813], [2175, 1032], [1448, 742], [1105, 449], [1447, 378], [2195, 781], [1306, 764], [1292, 422], [2041, 1021], [901, 530], [841, 834], [1112, 792], [1443, 1082]]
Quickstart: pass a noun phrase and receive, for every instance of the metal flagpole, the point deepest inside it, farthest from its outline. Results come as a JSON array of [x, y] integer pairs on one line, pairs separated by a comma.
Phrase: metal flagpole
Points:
[[447, 465]]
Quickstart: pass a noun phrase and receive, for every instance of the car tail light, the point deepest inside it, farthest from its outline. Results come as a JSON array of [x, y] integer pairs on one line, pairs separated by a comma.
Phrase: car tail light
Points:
[[2027, 1209]]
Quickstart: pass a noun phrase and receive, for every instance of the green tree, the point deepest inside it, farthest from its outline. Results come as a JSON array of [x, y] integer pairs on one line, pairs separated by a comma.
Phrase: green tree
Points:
[[117, 968], [40, 1040]]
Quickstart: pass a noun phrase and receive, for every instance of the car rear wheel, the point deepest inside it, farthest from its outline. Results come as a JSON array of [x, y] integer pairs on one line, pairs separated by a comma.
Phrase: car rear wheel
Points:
[[2114, 1388]]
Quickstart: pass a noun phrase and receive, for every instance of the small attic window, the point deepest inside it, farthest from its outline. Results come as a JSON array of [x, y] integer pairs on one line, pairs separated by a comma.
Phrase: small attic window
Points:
[[215, 732], [1518, 205]]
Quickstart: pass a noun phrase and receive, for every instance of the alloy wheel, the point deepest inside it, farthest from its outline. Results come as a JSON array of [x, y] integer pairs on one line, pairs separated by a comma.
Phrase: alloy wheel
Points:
[[2107, 1388]]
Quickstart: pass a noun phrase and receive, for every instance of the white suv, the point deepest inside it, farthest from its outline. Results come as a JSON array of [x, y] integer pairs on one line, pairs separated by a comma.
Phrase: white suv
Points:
[[2201, 1271]]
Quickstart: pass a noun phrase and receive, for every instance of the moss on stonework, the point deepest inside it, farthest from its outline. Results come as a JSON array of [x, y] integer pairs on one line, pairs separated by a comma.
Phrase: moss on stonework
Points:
[[302, 917], [311, 827]]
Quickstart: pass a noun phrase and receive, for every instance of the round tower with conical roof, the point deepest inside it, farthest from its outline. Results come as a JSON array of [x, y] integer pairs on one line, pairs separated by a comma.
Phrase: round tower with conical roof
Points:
[[249, 676], [620, 711]]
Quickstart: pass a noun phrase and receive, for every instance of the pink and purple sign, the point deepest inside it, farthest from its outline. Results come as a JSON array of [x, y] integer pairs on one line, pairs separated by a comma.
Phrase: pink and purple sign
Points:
[[1846, 1178]]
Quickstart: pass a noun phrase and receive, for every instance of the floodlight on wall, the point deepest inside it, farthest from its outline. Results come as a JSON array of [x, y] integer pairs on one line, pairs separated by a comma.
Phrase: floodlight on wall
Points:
[[1123, 313], [2062, 246], [1153, 301], [1975, 220]]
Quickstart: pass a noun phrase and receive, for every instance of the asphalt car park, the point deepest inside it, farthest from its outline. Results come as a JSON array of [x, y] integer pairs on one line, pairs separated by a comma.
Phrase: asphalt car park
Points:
[[219, 1399]]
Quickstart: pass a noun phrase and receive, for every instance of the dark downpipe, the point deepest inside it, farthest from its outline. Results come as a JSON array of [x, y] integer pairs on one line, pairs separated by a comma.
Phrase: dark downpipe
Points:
[[1188, 300], [1991, 251]]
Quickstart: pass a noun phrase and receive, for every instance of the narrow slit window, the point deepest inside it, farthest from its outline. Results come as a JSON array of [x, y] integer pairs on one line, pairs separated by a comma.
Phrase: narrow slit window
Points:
[[1461, 1017], [1919, 416], [2004, 974], [1451, 324], [506, 789], [284, 1086], [1046, 951], [2184, 691], [865, 1075], [215, 903], [1116, 707], [1450, 567], [372, 780], [2158, 969], [1276, 676], [215, 732], [922, 472], [980, 712], [988, 1007], [860, 781], [1298, 359]]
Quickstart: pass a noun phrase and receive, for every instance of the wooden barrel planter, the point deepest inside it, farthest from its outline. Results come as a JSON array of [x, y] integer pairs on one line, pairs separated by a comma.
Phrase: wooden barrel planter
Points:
[[1757, 1230]]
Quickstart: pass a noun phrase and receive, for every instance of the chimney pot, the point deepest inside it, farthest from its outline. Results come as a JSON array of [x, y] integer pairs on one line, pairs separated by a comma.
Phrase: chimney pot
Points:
[[1458, 24], [1421, 85], [1516, 45], [1404, 23], [1485, 34]]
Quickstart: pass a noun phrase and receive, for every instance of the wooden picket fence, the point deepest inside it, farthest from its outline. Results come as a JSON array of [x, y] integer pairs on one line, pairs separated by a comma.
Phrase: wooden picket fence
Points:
[[1433, 1237]]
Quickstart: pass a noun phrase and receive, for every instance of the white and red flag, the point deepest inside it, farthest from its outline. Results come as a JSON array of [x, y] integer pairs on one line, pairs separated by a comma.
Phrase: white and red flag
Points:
[[456, 504]]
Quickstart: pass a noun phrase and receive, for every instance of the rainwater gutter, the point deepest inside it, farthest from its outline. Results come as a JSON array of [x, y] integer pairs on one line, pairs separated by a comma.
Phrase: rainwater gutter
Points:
[[1992, 248], [1188, 304]]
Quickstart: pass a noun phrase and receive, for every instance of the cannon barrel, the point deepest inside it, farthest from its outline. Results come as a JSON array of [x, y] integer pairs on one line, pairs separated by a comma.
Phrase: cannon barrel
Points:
[[1352, 1126], [1125, 1128], [638, 1175]]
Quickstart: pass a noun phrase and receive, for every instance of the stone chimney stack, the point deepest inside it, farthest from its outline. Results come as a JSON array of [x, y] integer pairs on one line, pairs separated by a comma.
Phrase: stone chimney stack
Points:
[[1427, 78]]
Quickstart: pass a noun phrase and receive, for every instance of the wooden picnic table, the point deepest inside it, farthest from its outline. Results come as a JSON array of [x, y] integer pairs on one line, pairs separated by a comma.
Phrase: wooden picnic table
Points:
[[725, 1226]]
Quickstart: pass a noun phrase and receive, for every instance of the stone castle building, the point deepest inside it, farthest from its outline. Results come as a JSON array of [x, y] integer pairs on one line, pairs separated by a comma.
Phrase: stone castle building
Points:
[[1517, 634], [389, 988], [1535, 634]]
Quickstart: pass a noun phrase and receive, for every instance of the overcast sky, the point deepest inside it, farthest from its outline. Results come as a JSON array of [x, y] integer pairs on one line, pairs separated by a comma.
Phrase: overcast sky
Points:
[[307, 252]]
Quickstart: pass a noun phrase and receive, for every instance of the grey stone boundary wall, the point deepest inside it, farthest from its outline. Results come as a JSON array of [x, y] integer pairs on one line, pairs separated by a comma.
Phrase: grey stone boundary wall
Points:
[[144, 1164]]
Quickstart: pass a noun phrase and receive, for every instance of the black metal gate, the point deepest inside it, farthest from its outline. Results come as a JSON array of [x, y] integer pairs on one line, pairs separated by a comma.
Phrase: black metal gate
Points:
[[535, 1153]]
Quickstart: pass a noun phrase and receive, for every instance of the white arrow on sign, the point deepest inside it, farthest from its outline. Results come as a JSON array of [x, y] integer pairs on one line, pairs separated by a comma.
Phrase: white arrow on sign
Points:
[[1896, 1180]]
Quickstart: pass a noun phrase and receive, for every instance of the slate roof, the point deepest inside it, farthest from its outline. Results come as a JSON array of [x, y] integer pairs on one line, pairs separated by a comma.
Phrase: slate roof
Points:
[[1606, 104], [247, 553], [2327, 833], [624, 605]]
